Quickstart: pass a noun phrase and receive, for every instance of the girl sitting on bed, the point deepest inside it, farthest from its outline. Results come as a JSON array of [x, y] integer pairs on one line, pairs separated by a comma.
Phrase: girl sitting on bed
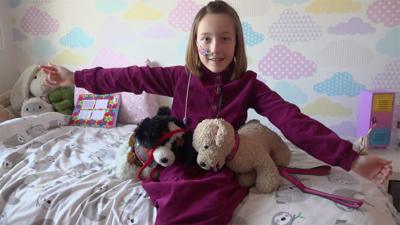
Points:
[[215, 83]]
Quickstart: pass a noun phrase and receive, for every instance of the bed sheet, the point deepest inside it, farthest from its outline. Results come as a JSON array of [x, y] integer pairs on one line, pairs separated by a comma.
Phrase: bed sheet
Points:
[[66, 175], [57, 174], [290, 206]]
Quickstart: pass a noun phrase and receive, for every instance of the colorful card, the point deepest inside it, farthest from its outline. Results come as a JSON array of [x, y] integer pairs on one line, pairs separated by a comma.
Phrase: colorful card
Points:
[[96, 110]]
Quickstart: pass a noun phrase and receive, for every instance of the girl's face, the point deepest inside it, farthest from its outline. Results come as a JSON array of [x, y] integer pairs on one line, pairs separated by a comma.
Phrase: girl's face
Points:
[[216, 35]]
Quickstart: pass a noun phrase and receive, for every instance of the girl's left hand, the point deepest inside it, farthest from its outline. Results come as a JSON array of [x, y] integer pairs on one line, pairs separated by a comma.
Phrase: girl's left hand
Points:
[[373, 168]]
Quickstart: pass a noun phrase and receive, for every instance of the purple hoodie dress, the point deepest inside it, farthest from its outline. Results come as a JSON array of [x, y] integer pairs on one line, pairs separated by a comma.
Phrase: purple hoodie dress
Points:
[[186, 194]]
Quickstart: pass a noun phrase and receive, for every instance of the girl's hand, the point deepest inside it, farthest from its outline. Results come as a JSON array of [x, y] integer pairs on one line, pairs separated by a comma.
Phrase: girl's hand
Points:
[[373, 168], [58, 75]]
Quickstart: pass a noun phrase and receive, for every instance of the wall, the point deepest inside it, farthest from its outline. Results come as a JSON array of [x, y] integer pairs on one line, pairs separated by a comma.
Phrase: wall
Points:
[[8, 72], [318, 54]]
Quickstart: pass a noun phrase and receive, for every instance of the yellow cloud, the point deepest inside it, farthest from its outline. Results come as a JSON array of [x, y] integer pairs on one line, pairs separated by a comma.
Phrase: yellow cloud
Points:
[[69, 58], [324, 107], [142, 12], [332, 6]]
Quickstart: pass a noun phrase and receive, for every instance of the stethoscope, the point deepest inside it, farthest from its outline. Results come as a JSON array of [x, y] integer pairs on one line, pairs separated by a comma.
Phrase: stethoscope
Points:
[[185, 118]]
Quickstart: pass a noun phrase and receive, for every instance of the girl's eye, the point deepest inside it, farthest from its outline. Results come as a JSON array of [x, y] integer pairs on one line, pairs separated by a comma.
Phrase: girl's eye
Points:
[[226, 38], [206, 39]]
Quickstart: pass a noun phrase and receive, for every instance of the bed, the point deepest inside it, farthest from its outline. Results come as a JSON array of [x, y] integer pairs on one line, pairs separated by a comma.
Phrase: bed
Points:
[[52, 173]]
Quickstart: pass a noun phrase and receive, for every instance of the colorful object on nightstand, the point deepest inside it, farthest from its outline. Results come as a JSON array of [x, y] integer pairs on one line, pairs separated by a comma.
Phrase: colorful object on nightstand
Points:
[[376, 115]]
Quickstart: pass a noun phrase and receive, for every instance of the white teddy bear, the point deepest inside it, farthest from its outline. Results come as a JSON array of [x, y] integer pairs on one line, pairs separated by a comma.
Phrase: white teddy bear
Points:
[[30, 85], [35, 106]]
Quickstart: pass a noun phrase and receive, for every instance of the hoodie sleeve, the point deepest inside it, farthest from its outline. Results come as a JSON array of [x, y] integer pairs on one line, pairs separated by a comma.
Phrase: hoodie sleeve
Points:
[[303, 131], [154, 80]]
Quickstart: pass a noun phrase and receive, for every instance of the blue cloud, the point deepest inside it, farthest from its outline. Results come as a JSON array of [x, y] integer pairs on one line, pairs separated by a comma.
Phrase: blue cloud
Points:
[[390, 45], [291, 93], [289, 2], [110, 6], [43, 48], [340, 84], [76, 38], [14, 3], [251, 37], [182, 45]]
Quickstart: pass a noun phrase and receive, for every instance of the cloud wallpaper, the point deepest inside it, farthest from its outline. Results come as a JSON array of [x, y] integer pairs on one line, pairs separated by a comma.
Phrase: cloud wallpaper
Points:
[[317, 54]]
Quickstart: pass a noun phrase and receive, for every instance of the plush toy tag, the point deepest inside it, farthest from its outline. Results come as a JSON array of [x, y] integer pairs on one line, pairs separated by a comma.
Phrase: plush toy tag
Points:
[[96, 110]]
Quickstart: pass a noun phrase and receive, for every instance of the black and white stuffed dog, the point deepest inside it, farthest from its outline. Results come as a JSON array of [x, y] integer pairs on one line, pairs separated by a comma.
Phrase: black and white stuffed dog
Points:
[[156, 141]]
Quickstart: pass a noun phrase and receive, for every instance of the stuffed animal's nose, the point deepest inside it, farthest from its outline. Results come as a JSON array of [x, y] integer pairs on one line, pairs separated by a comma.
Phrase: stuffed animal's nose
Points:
[[203, 164], [164, 160]]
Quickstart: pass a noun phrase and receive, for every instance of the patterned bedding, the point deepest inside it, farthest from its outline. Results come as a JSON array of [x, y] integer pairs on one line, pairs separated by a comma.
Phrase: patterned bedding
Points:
[[56, 174]]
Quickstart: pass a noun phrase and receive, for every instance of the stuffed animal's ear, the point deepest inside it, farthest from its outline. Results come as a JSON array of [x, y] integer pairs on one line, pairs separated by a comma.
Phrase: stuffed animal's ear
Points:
[[132, 140], [132, 159], [221, 134], [225, 134], [139, 130], [45, 99]]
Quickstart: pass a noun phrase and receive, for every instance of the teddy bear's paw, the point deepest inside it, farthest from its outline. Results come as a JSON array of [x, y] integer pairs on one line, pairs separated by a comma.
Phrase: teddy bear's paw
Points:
[[268, 184], [254, 190], [246, 179]]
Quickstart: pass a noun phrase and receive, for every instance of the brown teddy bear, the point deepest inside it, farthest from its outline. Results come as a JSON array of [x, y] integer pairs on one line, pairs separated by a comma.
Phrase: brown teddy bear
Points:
[[253, 152]]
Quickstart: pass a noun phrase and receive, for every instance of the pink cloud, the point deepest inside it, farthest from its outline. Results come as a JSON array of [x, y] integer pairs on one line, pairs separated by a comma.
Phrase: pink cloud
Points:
[[281, 63], [183, 14], [389, 79], [108, 58], [385, 11], [38, 23]]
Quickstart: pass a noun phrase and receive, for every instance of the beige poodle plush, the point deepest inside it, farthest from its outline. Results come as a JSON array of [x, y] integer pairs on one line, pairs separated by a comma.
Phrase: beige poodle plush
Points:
[[253, 152]]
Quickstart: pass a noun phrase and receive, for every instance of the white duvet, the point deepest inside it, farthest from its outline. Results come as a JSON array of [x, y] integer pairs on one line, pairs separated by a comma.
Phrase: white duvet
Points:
[[56, 174]]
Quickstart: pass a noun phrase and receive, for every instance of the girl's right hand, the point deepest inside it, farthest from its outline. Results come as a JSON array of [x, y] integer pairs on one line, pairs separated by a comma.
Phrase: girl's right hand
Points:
[[58, 75]]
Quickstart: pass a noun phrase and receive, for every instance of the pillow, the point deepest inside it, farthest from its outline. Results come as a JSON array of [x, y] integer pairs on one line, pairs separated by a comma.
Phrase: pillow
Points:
[[134, 108]]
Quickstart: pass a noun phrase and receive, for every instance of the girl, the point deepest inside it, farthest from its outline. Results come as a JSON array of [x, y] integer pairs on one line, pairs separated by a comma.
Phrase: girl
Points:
[[215, 83]]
